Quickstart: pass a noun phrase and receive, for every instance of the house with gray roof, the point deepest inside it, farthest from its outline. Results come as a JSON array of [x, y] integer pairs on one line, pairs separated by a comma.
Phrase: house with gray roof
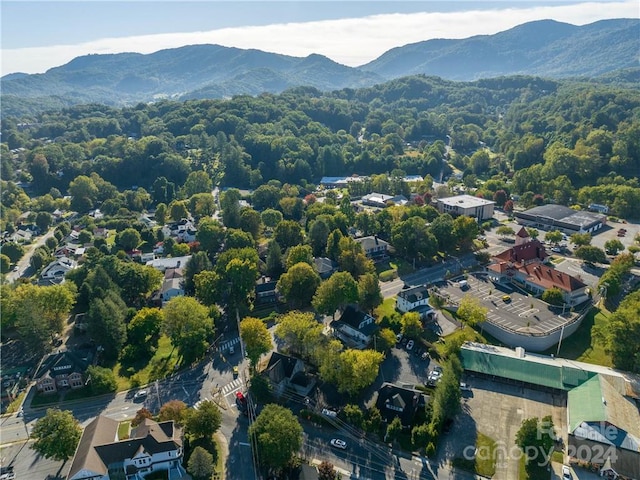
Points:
[[395, 401], [151, 447], [375, 248], [355, 328]]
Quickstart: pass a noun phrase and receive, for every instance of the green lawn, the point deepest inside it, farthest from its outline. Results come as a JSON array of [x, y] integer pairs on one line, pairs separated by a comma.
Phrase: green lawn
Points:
[[386, 308], [160, 365], [123, 429], [486, 463], [582, 346], [461, 335]]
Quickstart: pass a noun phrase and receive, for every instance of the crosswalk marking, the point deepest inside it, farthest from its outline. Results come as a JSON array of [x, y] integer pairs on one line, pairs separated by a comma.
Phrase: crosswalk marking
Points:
[[232, 387], [225, 345]]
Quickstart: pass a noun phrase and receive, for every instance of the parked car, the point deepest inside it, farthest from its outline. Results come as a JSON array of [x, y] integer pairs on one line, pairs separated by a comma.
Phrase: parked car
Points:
[[465, 387], [409, 344], [399, 338], [329, 413], [140, 394], [506, 298], [566, 473], [337, 443]]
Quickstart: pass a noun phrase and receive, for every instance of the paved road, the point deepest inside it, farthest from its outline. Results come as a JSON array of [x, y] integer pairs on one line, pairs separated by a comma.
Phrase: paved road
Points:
[[428, 275], [24, 263]]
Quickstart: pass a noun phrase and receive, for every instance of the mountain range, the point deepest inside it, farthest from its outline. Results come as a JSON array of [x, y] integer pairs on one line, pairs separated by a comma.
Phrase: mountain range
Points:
[[543, 48]]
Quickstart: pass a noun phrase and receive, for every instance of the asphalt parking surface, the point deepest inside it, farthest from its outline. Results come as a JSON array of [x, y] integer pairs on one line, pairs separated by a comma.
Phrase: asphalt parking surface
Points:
[[497, 410], [520, 313]]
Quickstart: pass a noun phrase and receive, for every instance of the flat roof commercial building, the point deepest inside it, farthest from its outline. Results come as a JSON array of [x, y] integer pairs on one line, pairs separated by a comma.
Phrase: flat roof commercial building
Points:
[[559, 217], [478, 208]]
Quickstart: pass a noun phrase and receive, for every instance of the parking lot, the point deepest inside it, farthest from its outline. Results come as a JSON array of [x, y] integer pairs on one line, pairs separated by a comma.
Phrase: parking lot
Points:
[[497, 410], [507, 307]]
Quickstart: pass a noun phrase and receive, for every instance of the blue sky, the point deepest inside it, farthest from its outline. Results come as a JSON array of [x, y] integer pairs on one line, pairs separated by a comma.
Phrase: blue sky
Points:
[[43, 34]]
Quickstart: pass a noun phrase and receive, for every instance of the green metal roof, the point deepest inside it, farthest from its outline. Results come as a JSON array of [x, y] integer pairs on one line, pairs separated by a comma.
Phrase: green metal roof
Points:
[[584, 404], [523, 369]]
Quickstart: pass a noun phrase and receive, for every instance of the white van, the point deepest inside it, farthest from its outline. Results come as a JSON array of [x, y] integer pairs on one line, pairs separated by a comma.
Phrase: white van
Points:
[[463, 284]]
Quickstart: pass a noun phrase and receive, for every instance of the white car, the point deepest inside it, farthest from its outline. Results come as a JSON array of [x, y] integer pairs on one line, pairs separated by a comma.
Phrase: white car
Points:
[[409, 344], [337, 443], [140, 394], [465, 387], [566, 473]]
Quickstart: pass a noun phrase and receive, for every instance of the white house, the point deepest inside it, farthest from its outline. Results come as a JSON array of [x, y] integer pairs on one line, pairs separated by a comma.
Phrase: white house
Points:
[[151, 447], [412, 298], [163, 264], [57, 269], [172, 286], [355, 328]]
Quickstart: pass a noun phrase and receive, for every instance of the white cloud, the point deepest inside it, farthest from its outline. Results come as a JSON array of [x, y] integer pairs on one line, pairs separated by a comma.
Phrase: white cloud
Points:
[[352, 41]]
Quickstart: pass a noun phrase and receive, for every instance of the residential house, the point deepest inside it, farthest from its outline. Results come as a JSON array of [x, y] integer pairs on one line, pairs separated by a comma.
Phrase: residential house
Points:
[[57, 269], [100, 232], [287, 374], [173, 284], [395, 401], [63, 370], [325, 267], [375, 248], [411, 298], [265, 291], [171, 262], [151, 447], [182, 230], [355, 328], [21, 236]]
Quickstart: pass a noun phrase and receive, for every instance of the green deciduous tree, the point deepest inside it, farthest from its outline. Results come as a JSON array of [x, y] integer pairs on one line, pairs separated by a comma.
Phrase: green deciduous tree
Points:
[[203, 421], [337, 291], [446, 396], [106, 323], [278, 434], [613, 246], [621, 334], [299, 285], [210, 235], [13, 250], [188, 325], [200, 464], [350, 370], [301, 332], [581, 239], [536, 438], [101, 380], [590, 254], [288, 233], [369, 294], [411, 325], [129, 239], [251, 222], [56, 435], [297, 254], [553, 296], [256, 338], [554, 236], [471, 311]]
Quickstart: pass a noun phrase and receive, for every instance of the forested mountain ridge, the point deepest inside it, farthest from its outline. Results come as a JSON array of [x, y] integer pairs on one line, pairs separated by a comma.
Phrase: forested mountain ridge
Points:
[[544, 48], [560, 141]]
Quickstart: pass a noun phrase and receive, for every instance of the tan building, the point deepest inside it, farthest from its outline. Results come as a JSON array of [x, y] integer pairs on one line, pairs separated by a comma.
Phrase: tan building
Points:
[[478, 208]]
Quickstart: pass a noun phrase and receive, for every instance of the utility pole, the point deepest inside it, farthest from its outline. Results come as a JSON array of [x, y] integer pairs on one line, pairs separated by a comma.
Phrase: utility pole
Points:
[[239, 336]]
